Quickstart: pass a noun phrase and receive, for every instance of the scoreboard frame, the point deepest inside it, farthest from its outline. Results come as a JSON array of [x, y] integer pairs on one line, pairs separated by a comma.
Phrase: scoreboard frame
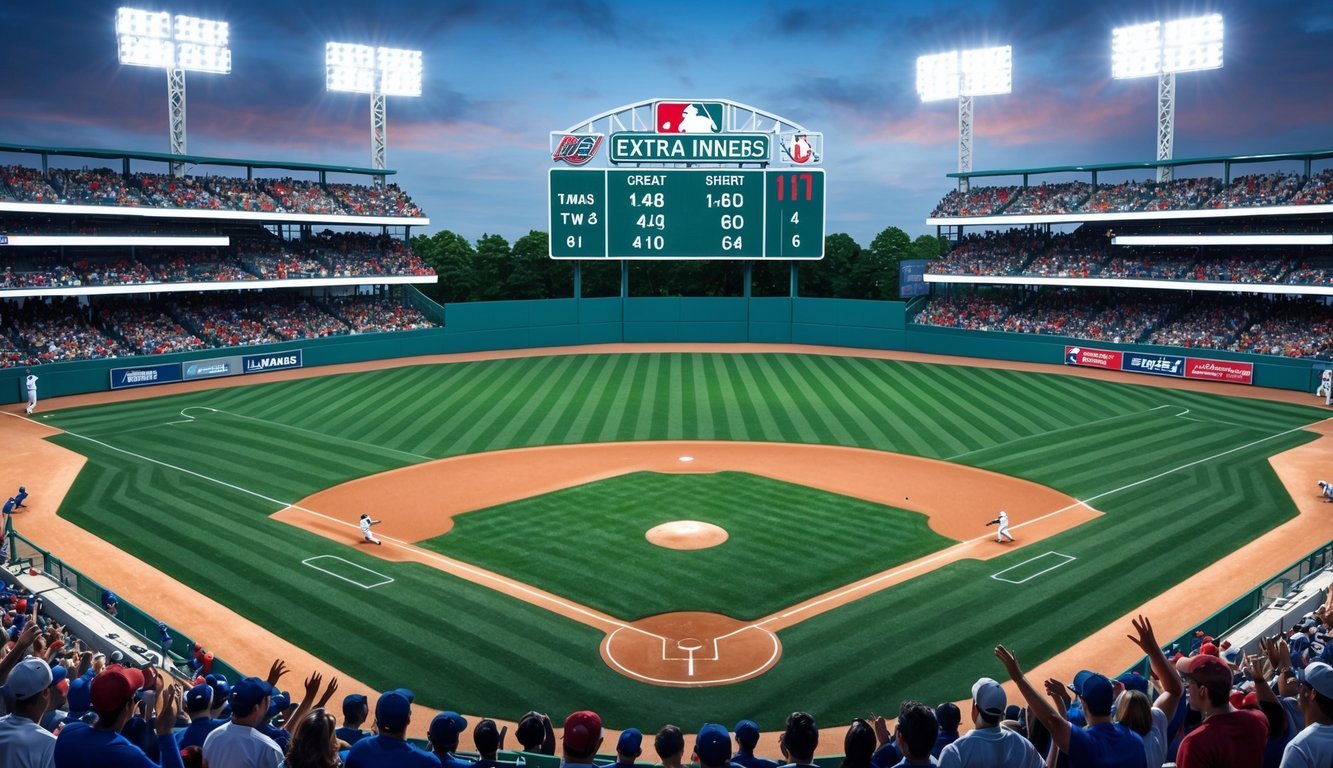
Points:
[[600, 219]]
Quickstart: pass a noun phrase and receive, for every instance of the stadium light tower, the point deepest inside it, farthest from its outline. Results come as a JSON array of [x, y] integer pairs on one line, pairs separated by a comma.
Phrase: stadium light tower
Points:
[[379, 72], [1163, 49], [177, 44], [962, 75]]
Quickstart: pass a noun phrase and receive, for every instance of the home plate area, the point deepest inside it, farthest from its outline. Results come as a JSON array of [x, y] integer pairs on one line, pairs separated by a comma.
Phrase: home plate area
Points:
[[691, 649]]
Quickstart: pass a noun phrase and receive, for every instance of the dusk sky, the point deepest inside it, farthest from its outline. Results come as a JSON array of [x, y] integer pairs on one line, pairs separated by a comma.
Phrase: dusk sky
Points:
[[501, 74]]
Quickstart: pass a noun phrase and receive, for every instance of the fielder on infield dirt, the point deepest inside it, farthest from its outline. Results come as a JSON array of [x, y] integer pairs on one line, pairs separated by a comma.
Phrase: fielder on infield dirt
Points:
[[366, 522], [1325, 386], [1003, 522]]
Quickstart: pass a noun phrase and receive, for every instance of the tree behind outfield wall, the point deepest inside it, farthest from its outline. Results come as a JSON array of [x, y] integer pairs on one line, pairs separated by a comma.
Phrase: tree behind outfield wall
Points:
[[492, 269]]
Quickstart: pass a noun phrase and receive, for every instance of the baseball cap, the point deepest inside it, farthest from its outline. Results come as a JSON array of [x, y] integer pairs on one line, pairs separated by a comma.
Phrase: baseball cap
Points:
[[393, 711], [1083, 674], [1318, 676], [1097, 695], [352, 704], [486, 736], [531, 730], [713, 744], [445, 728], [1209, 671], [582, 731], [29, 678], [248, 694], [948, 715], [79, 694], [1209, 649], [199, 697], [630, 743], [989, 698], [1133, 681], [747, 733], [114, 686]]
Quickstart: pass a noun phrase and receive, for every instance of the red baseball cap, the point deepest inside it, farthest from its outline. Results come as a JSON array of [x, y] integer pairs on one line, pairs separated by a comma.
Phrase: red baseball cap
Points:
[[583, 729], [114, 686]]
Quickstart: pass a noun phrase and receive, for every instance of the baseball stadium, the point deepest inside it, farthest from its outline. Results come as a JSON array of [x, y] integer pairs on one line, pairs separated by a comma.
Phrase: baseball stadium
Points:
[[703, 470]]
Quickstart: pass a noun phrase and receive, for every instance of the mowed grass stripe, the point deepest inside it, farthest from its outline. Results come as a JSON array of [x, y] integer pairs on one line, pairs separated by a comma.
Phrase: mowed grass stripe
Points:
[[837, 411], [884, 427], [498, 407], [557, 409], [705, 398], [457, 410], [896, 396], [781, 390], [587, 420], [614, 412]]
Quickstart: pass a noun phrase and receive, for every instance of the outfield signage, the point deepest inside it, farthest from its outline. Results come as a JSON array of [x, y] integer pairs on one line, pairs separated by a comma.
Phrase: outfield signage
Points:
[[211, 368], [145, 375], [912, 278], [1176, 366], [630, 147], [277, 361]]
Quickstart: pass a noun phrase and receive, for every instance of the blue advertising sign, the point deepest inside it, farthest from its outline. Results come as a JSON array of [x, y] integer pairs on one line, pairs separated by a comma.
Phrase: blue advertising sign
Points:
[[217, 366], [1161, 365], [912, 278], [144, 375], [275, 361]]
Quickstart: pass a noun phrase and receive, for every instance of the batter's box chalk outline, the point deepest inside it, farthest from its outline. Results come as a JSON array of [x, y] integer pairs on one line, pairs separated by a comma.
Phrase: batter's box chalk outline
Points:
[[1066, 561], [310, 561]]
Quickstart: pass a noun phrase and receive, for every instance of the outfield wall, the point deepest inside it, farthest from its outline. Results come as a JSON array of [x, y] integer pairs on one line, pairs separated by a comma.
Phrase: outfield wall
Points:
[[562, 322]]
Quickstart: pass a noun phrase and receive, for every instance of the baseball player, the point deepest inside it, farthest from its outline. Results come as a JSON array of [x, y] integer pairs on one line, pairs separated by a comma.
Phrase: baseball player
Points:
[[10, 506], [1326, 386], [1003, 532], [31, 383], [366, 522], [19, 498], [1326, 490]]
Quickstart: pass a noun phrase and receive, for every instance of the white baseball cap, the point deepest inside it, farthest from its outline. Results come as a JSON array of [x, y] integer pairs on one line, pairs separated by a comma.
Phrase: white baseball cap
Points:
[[29, 678]]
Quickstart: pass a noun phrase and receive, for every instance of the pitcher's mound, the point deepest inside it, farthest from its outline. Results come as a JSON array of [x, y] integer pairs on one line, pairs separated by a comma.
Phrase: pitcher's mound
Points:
[[686, 534]]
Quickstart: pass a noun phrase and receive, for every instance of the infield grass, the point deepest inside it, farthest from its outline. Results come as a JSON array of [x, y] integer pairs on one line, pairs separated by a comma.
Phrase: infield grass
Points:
[[1182, 477]]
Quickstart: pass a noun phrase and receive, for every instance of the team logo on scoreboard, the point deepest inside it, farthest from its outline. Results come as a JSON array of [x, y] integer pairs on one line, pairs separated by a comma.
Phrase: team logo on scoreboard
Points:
[[802, 148], [576, 149], [688, 116]]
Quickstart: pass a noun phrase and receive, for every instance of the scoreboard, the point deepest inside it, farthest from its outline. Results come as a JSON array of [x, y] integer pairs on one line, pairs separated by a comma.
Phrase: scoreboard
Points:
[[686, 213]]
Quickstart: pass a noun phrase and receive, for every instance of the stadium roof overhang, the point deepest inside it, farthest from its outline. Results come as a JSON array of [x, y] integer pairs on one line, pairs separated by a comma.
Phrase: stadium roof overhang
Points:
[[162, 157], [1084, 218], [1120, 282], [1152, 164], [220, 285], [259, 217]]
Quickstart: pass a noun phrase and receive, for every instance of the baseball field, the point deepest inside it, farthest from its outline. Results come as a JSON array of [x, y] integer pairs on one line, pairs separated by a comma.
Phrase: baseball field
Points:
[[857, 568]]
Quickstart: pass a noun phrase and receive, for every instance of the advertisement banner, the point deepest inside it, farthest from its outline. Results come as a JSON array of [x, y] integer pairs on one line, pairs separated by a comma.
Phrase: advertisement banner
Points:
[[275, 361], [144, 375], [911, 278], [1093, 358], [1158, 365], [218, 366], [1219, 370]]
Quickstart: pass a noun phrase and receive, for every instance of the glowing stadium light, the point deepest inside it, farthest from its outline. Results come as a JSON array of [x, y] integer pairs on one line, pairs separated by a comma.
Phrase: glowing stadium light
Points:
[[379, 72], [400, 72], [177, 44], [962, 75], [349, 67], [1163, 49]]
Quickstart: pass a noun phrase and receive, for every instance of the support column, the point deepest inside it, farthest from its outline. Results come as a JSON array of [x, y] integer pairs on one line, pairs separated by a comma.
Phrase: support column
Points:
[[176, 116], [1166, 122], [378, 134], [964, 141]]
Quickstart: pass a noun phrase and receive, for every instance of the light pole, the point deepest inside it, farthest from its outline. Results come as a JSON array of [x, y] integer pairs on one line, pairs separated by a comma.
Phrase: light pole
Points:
[[177, 44], [962, 75], [1163, 49], [379, 72]]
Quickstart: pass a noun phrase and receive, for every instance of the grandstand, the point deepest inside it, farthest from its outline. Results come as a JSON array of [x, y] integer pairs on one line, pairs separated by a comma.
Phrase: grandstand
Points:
[[109, 261], [1240, 263]]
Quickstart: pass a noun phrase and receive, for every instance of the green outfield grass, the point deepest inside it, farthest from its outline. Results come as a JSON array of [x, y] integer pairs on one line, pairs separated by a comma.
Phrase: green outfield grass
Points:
[[772, 527], [1182, 477]]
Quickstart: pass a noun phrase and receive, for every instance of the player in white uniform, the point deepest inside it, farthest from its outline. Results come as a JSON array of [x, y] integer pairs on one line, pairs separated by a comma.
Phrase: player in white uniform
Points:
[[366, 522], [1003, 522], [1326, 386], [1326, 490], [31, 382]]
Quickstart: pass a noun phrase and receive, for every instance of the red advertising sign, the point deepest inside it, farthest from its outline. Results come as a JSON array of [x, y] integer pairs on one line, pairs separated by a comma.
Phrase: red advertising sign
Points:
[[1219, 370], [1093, 358]]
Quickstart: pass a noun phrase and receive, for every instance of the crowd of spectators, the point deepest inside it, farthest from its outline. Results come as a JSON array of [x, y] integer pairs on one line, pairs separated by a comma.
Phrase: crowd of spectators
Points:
[[1050, 198], [144, 328], [1078, 254], [368, 314], [355, 254], [298, 318], [1313, 272], [995, 253], [1073, 313], [977, 201], [1293, 327], [1205, 702], [980, 311], [56, 330], [1254, 190], [1211, 322], [103, 186]]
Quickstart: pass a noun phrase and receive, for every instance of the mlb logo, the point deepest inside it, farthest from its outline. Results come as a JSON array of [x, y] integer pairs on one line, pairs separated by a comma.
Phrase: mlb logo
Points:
[[688, 116], [576, 149]]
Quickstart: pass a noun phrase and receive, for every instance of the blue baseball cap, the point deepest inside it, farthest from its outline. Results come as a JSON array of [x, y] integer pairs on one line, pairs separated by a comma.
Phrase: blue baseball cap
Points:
[[199, 697], [393, 711], [248, 694], [1133, 681], [79, 696], [713, 745], [352, 704], [747, 733], [630, 743], [1097, 695], [445, 728]]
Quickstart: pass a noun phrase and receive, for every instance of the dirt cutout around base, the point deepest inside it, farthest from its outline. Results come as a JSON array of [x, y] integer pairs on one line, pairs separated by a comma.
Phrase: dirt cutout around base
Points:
[[686, 535], [957, 501]]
